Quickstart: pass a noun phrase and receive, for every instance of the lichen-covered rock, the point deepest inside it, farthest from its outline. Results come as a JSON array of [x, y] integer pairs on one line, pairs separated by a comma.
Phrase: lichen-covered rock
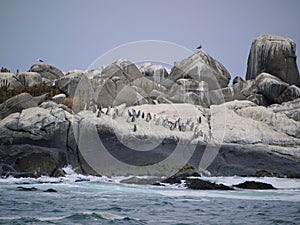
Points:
[[201, 67], [274, 55]]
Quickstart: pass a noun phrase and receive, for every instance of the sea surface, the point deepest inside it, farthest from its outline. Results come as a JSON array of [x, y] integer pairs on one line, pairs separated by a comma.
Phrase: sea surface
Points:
[[100, 200]]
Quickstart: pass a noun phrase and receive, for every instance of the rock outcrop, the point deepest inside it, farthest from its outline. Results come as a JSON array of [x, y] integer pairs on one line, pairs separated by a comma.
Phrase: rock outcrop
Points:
[[254, 185], [265, 90], [46, 71], [29, 79], [201, 67], [274, 55], [16, 104], [199, 184], [10, 81]]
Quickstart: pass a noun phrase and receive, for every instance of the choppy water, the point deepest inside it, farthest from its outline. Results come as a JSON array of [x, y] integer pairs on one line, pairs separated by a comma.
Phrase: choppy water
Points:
[[96, 200]]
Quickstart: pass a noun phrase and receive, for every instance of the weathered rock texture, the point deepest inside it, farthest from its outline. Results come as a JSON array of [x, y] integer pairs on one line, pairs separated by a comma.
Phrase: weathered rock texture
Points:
[[201, 67], [46, 71], [274, 55]]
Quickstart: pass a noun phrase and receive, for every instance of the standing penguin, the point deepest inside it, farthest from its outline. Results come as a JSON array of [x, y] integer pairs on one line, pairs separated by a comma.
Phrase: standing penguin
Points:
[[134, 128]]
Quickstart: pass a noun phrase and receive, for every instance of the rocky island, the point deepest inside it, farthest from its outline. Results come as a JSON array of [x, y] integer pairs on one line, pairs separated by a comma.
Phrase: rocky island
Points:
[[122, 119]]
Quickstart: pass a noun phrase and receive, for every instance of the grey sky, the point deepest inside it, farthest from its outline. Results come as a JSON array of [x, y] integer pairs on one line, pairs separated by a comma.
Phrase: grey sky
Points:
[[71, 34]]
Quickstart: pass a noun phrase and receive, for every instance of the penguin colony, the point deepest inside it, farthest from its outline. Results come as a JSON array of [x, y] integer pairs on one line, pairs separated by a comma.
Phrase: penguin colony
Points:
[[132, 115]]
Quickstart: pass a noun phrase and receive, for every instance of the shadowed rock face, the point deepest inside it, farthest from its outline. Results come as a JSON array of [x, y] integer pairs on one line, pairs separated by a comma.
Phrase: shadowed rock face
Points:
[[16, 104], [274, 55]]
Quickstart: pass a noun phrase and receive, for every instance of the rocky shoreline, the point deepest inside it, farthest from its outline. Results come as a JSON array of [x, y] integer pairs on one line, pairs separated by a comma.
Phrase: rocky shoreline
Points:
[[146, 117]]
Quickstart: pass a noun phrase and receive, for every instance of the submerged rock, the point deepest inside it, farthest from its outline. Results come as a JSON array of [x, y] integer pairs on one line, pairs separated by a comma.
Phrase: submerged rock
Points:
[[275, 55], [254, 185]]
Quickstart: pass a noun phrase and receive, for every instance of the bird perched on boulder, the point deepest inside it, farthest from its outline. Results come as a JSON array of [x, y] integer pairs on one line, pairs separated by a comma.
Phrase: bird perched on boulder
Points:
[[199, 47]]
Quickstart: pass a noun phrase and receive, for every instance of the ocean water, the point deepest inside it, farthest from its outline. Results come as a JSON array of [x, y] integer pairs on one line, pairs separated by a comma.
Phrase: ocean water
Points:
[[98, 200]]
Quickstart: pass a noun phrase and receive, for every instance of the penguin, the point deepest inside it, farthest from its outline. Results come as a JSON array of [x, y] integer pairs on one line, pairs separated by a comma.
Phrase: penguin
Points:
[[99, 113], [138, 114], [192, 126], [149, 117], [188, 121], [172, 127], [183, 127], [143, 115], [196, 128], [199, 120], [129, 119], [164, 122], [107, 110], [134, 128], [114, 115], [129, 113], [117, 112], [196, 134], [133, 112]]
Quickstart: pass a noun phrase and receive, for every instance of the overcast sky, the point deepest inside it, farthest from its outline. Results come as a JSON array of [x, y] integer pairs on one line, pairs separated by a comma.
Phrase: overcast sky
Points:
[[71, 34]]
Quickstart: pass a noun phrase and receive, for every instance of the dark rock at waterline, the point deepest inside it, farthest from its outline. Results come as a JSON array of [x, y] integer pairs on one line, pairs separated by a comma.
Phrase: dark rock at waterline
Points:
[[185, 172], [20, 188], [255, 185], [142, 181], [275, 55], [198, 184], [50, 190]]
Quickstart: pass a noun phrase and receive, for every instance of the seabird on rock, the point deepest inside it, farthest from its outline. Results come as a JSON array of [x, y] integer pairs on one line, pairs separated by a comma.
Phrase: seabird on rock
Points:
[[199, 47], [143, 115], [40, 60], [134, 128]]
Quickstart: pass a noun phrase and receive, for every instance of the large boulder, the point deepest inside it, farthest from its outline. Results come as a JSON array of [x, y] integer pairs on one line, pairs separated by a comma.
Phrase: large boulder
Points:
[[290, 109], [68, 83], [29, 79], [16, 104], [123, 69], [157, 73], [265, 90], [47, 71], [38, 141], [275, 55], [199, 184], [9, 81], [254, 185], [201, 67]]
